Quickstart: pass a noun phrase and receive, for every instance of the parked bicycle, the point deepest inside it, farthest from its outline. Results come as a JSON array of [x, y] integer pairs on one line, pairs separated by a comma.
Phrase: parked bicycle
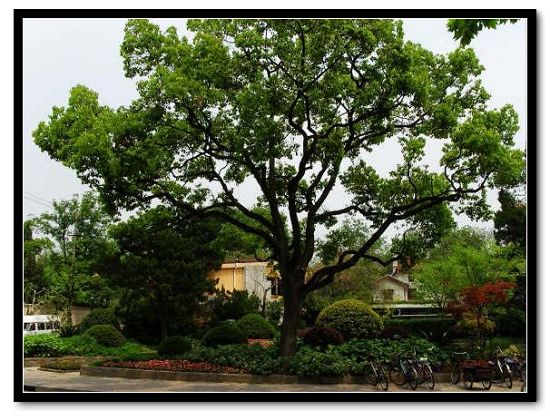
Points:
[[375, 374], [457, 371], [403, 371], [501, 370], [424, 370]]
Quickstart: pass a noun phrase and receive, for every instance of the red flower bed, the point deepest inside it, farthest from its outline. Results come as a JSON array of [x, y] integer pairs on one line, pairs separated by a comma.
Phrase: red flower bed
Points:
[[175, 366]]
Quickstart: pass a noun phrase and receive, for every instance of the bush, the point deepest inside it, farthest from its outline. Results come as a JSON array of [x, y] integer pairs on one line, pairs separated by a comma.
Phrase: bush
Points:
[[435, 329], [509, 322], [322, 336], [44, 345], [174, 345], [99, 316], [255, 326], [223, 334], [352, 318], [394, 332], [233, 305], [106, 335]]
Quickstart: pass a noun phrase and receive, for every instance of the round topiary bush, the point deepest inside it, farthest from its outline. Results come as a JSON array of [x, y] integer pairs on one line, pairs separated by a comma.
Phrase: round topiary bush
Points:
[[352, 318], [106, 335], [99, 316], [255, 326], [223, 334], [174, 345], [322, 336]]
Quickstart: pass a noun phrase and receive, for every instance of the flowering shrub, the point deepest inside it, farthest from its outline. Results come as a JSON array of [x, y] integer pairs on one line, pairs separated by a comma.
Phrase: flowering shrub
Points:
[[175, 366]]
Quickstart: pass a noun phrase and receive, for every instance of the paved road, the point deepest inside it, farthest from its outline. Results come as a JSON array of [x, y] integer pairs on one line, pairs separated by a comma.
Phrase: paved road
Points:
[[72, 381]]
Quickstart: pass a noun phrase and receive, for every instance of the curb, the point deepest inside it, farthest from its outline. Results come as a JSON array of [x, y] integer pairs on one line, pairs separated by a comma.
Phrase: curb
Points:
[[225, 377]]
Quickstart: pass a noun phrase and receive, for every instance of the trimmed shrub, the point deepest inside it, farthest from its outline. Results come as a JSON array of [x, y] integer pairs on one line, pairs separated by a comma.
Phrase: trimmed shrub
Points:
[[44, 345], [174, 345], [255, 326], [352, 318], [322, 336], [99, 316], [435, 329], [394, 332], [224, 334], [106, 335]]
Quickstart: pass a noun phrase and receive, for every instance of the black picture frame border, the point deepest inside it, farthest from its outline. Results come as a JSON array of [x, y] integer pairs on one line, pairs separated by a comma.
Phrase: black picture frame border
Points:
[[20, 395]]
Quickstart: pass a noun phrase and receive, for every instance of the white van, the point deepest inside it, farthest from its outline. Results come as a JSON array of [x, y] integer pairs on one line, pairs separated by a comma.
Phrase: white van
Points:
[[40, 324]]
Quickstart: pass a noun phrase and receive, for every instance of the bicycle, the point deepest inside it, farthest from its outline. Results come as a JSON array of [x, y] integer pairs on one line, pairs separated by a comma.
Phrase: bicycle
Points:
[[424, 370], [501, 370], [403, 371], [457, 371], [375, 374]]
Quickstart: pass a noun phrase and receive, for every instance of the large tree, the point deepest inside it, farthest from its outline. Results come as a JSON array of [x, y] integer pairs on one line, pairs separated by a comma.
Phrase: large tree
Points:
[[77, 232], [295, 107]]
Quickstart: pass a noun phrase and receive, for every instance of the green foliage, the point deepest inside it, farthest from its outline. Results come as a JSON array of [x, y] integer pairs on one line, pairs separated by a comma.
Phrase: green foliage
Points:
[[43, 345], [99, 316], [162, 265], [439, 330], [322, 336], [174, 345], [509, 321], [274, 311], [77, 232], [223, 334], [255, 326], [510, 221], [297, 107], [466, 29], [464, 258], [257, 360], [352, 318], [233, 305], [106, 335], [308, 362]]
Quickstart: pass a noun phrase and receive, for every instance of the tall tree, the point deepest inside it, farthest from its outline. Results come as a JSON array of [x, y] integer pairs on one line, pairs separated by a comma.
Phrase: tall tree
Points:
[[77, 230], [35, 282], [162, 263], [464, 30], [295, 106], [510, 221]]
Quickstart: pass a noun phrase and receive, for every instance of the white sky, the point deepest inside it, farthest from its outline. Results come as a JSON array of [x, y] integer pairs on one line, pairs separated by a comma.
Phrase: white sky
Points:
[[60, 53]]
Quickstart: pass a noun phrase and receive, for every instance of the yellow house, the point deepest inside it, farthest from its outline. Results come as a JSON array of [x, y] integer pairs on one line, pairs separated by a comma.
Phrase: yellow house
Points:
[[257, 277]]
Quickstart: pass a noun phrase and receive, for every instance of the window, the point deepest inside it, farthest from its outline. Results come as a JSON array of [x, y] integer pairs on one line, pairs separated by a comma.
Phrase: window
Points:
[[387, 294], [276, 289], [41, 326]]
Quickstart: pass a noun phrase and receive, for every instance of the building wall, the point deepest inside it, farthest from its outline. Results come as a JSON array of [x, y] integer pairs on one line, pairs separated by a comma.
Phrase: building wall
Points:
[[230, 278], [399, 291], [256, 281]]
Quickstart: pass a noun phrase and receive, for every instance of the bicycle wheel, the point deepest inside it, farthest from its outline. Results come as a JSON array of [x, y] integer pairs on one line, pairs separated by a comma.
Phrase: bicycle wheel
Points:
[[468, 380], [508, 381], [455, 374], [428, 377], [382, 378], [370, 374], [397, 376], [412, 377], [486, 383]]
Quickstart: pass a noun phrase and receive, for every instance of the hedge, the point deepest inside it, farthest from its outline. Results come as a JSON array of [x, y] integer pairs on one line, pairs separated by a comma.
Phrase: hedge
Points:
[[352, 318]]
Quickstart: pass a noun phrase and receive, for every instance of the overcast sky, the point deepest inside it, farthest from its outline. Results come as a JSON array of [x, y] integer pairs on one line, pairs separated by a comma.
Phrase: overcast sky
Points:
[[60, 53]]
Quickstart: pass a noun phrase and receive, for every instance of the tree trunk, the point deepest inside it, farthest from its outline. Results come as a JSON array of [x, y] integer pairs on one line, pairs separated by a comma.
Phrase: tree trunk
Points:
[[291, 316]]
